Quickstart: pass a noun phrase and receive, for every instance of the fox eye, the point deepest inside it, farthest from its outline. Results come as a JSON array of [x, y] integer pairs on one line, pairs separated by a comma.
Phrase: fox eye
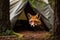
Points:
[[35, 21], [30, 21]]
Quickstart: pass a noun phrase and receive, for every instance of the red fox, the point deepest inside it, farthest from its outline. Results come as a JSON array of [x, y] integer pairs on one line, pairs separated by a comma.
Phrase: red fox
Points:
[[34, 20]]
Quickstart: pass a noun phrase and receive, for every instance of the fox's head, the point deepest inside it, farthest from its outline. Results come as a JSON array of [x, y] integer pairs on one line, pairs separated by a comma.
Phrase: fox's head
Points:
[[34, 20]]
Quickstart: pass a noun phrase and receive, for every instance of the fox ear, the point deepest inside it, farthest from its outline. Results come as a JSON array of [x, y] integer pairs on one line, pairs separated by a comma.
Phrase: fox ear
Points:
[[29, 15], [38, 15]]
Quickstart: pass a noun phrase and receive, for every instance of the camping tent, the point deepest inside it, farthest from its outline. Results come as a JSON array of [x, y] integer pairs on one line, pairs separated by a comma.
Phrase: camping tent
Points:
[[42, 6]]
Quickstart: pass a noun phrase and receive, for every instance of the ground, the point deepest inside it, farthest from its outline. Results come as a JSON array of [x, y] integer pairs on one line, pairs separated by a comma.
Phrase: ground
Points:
[[35, 35]]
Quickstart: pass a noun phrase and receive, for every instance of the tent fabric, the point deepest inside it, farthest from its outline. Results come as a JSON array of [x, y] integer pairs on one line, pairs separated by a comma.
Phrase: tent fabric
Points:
[[42, 6]]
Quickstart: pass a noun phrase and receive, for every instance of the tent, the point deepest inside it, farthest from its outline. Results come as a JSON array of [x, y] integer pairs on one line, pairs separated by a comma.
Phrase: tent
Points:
[[42, 6]]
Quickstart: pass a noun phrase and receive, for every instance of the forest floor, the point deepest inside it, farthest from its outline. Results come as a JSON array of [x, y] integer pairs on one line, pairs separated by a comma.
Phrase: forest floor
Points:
[[35, 35]]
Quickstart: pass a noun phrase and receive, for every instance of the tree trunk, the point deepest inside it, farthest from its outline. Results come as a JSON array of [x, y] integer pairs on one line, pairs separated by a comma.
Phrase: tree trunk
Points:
[[4, 15], [57, 20]]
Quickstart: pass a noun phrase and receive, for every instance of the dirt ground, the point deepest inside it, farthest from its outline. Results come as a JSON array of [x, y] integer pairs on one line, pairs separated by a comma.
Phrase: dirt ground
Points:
[[35, 35]]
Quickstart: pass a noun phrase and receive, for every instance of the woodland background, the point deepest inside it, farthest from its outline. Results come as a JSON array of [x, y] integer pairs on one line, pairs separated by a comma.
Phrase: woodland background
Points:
[[5, 24]]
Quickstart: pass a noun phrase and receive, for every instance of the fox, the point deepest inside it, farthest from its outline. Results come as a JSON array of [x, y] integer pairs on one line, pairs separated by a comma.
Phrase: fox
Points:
[[34, 20]]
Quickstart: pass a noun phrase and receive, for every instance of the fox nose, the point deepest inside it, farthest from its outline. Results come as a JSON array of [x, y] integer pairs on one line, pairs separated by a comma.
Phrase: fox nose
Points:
[[32, 24]]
